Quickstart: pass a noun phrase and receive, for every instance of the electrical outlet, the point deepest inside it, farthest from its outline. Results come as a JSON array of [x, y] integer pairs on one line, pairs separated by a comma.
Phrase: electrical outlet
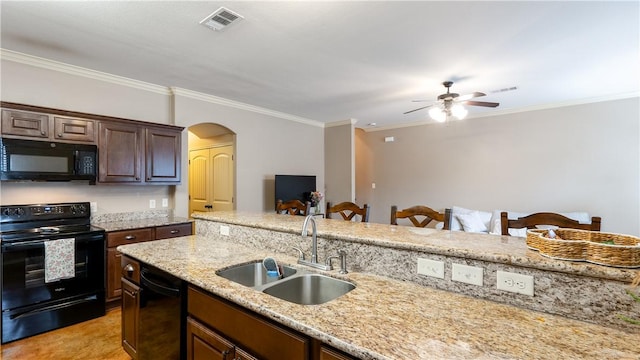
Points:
[[224, 230], [467, 274], [94, 207], [517, 283], [165, 202], [152, 204], [431, 268]]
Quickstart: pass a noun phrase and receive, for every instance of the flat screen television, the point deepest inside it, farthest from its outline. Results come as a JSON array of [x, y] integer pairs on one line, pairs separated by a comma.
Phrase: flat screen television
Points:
[[289, 187]]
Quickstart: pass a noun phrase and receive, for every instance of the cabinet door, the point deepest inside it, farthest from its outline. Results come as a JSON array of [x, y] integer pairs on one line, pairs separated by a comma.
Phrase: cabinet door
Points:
[[24, 123], [120, 153], [203, 343], [130, 317], [330, 354], [114, 284], [74, 129], [163, 151]]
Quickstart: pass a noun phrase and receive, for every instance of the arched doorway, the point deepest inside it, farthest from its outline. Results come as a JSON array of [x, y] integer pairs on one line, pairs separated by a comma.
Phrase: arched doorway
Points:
[[212, 169]]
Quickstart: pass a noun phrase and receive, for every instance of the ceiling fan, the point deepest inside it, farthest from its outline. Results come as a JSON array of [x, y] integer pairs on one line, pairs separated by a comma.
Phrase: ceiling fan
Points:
[[449, 104]]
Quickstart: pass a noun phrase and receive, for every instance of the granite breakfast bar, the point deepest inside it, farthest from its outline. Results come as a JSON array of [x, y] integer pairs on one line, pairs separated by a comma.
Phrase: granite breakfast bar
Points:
[[388, 317]]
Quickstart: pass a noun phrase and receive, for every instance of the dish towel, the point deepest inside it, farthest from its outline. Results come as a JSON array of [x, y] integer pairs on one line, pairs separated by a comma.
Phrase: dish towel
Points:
[[59, 259]]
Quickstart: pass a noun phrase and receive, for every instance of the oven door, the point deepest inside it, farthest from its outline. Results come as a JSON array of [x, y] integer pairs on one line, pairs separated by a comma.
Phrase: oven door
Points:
[[23, 271]]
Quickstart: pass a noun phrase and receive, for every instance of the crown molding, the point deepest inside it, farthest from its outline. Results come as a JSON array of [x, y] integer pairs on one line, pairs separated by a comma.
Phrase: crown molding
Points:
[[80, 71], [341, 123], [243, 106], [48, 64]]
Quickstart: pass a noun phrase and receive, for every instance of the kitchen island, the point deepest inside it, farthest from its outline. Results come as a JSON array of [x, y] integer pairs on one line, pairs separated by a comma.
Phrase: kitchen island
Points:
[[383, 317]]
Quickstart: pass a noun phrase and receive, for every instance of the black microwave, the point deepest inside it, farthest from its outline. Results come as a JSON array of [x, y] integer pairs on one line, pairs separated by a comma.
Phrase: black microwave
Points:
[[47, 161]]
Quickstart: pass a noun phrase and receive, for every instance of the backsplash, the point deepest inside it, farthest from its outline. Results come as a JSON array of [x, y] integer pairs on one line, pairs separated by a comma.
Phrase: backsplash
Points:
[[131, 216]]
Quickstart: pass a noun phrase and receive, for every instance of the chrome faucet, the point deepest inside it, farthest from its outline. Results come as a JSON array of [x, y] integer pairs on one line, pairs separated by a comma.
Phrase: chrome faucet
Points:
[[314, 245]]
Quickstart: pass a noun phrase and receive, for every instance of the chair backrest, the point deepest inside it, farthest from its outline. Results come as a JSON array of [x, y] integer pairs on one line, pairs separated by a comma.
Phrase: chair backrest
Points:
[[545, 218], [348, 210], [293, 207], [413, 212]]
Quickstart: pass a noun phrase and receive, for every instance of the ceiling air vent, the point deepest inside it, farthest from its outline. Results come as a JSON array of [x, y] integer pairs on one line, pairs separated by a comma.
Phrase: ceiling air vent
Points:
[[221, 19]]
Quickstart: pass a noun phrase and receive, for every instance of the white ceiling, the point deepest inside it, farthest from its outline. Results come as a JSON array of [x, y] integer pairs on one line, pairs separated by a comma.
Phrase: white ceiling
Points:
[[338, 60]]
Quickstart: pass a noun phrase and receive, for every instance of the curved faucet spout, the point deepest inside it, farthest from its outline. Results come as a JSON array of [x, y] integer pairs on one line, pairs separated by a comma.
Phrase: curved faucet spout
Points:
[[314, 236]]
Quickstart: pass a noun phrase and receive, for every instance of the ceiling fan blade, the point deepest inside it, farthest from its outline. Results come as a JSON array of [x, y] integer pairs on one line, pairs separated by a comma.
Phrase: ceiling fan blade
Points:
[[482, 103], [511, 88], [420, 100], [470, 96], [420, 108]]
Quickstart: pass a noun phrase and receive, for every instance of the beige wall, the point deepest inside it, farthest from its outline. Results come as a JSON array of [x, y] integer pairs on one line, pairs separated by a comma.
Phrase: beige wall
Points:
[[574, 158], [265, 145], [339, 150]]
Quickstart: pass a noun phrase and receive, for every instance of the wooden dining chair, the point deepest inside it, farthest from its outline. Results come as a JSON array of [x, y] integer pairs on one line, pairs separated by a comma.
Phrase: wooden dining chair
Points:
[[545, 218], [348, 210], [293, 207], [425, 213]]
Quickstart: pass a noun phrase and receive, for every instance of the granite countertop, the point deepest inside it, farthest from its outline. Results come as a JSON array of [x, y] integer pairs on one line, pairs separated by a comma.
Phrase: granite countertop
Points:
[[509, 250], [140, 223], [389, 319]]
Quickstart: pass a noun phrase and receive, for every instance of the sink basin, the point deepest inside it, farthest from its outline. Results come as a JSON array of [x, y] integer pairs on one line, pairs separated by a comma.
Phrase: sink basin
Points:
[[253, 274], [309, 289]]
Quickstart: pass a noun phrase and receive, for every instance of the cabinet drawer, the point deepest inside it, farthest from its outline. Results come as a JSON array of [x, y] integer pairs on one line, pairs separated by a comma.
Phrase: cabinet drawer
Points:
[[170, 231], [259, 337], [129, 236], [24, 123], [74, 129], [130, 269]]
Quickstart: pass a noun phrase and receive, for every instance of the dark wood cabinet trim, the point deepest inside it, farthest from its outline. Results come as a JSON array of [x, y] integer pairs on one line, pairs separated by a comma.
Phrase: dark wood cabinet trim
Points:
[[68, 113]]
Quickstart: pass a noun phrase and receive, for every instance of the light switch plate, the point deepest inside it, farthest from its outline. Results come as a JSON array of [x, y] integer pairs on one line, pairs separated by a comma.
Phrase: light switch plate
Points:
[[431, 268], [165, 202], [467, 274], [152, 204], [224, 230]]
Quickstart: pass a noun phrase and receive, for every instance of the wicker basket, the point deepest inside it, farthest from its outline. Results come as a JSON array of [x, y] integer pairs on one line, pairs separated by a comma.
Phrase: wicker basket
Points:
[[592, 246]]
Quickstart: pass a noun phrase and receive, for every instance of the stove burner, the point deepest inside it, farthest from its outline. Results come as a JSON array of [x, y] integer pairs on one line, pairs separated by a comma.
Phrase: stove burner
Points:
[[48, 230]]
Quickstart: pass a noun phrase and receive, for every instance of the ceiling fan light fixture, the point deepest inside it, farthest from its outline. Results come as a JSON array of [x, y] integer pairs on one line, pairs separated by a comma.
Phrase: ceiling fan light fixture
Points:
[[459, 111], [437, 114]]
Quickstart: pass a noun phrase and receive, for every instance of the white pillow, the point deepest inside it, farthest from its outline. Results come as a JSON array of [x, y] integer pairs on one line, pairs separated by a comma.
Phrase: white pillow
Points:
[[522, 232], [455, 225], [472, 222]]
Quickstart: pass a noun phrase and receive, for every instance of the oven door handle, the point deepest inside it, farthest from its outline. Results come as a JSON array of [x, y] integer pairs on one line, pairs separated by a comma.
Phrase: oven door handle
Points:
[[39, 243]]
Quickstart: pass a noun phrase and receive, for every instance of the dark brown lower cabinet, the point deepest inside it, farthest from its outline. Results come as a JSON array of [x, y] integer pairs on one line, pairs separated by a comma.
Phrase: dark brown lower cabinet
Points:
[[130, 317], [245, 332], [203, 343], [327, 353]]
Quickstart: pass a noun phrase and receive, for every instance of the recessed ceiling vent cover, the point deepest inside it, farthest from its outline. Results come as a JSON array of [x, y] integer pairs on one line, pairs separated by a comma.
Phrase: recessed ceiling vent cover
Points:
[[221, 19]]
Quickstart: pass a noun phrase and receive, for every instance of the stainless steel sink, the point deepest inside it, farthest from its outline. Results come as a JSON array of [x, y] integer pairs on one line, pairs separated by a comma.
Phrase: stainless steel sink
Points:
[[309, 289], [253, 274]]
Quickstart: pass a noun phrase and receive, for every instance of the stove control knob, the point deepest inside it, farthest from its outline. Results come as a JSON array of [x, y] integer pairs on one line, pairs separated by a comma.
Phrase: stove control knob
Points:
[[78, 209], [7, 212], [19, 211]]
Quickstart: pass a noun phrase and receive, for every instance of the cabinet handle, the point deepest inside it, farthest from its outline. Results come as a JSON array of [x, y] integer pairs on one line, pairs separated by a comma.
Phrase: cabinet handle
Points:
[[59, 135], [43, 133], [130, 237], [129, 269], [225, 353], [175, 231], [137, 178]]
